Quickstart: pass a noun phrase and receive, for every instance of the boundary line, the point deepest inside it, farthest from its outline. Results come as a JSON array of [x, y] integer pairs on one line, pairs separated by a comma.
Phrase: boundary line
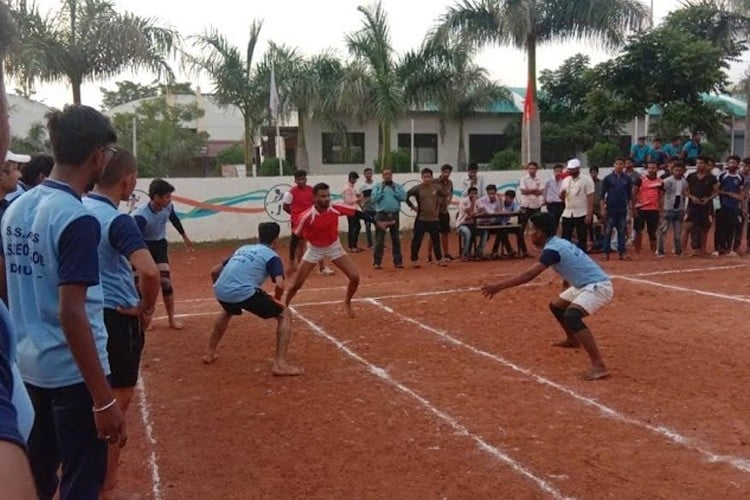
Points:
[[383, 375], [149, 430], [684, 271], [736, 298], [741, 464]]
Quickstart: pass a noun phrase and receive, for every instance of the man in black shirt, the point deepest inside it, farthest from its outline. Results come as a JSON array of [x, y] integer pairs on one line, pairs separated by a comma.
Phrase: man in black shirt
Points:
[[702, 189]]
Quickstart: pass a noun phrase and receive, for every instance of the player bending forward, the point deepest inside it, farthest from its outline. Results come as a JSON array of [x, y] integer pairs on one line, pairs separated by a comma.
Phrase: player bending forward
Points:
[[590, 291], [319, 227], [237, 286]]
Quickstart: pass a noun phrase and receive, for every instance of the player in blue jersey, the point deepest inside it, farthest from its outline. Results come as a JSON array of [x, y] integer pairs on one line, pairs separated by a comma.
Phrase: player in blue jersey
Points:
[[237, 286], [126, 315], [152, 220], [587, 289]]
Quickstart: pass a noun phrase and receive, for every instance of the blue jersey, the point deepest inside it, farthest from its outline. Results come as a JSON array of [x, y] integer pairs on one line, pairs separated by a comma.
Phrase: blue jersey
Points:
[[19, 396], [51, 240], [571, 263], [245, 271], [638, 153], [730, 183], [672, 150], [20, 189], [153, 225], [692, 150], [120, 238]]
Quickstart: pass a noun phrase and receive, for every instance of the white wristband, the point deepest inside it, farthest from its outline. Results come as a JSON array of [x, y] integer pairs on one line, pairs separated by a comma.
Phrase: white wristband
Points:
[[105, 407]]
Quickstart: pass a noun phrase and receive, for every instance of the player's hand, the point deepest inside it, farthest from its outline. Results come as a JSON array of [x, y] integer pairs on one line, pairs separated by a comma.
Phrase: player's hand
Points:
[[490, 291], [188, 243], [110, 425], [589, 219], [130, 311], [146, 317]]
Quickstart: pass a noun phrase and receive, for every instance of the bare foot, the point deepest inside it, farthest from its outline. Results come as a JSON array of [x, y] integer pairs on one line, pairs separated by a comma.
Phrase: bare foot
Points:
[[349, 310], [596, 373], [286, 370], [176, 325], [210, 358], [567, 344]]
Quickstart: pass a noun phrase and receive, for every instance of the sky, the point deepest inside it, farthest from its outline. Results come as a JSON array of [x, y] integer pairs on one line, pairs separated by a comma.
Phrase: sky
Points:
[[314, 26]]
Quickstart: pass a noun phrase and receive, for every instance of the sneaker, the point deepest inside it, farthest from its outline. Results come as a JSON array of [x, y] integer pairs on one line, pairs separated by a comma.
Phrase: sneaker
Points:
[[660, 255], [415, 264], [448, 257], [714, 254], [733, 254], [377, 267], [327, 271], [399, 266]]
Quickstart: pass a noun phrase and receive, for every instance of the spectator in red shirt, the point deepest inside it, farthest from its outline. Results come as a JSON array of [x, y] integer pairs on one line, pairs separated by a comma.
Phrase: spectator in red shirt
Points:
[[319, 226], [649, 202]]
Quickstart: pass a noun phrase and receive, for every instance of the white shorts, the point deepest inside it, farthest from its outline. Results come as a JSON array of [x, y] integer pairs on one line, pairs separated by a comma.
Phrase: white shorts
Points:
[[316, 254], [590, 298]]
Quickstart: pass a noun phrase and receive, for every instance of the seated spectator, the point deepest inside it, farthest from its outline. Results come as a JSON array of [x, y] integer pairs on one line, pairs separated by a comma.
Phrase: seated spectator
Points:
[[487, 205], [465, 223]]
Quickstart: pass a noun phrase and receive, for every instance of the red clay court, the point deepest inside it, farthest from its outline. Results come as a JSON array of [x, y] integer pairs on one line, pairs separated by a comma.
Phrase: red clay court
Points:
[[435, 392]]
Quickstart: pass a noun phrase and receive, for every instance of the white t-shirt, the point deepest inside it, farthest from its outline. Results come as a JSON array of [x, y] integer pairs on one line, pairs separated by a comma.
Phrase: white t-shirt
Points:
[[479, 183], [576, 195], [531, 200], [288, 198]]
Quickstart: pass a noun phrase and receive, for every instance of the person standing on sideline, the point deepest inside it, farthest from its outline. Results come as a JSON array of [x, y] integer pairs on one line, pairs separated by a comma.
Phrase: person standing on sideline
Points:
[[387, 196], [639, 152], [649, 200], [364, 192], [552, 200], [587, 288], [9, 181], [152, 220], [746, 204], [692, 150], [350, 198], [445, 182], [617, 191], [532, 199], [473, 179], [32, 174], [122, 250], [57, 304], [728, 232], [702, 189], [429, 196], [674, 149], [319, 226], [675, 187], [577, 193], [298, 200], [13, 165], [657, 154], [467, 211]]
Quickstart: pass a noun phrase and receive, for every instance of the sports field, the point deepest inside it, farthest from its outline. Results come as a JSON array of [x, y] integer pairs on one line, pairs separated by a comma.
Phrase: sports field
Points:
[[435, 392]]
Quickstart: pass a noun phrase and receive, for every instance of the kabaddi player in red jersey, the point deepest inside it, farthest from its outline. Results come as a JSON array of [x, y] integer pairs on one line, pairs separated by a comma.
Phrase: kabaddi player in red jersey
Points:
[[296, 202], [319, 226]]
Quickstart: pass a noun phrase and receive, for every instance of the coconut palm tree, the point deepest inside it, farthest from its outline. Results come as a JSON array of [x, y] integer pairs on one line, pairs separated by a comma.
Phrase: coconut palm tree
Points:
[[87, 40], [235, 79], [8, 38], [527, 23]]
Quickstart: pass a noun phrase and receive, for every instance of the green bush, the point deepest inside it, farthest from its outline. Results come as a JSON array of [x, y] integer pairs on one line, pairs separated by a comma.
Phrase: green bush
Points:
[[399, 162], [505, 160], [231, 156], [710, 150], [603, 154], [270, 168]]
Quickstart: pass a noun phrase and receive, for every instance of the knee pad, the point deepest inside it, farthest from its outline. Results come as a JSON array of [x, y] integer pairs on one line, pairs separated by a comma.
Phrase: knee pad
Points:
[[166, 283], [573, 319], [556, 311]]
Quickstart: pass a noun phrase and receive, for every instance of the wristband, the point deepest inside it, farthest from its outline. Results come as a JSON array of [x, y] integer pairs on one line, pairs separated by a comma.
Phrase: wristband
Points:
[[148, 312], [105, 407]]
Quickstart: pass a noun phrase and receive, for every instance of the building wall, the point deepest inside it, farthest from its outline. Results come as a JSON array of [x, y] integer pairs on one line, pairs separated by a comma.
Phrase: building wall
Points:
[[24, 113]]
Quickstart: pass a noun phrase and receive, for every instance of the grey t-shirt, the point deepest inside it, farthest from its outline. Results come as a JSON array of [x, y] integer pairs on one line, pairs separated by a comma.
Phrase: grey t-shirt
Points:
[[365, 189], [674, 199]]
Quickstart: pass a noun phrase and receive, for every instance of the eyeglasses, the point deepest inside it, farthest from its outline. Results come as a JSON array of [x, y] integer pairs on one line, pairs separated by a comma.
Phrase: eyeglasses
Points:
[[110, 150]]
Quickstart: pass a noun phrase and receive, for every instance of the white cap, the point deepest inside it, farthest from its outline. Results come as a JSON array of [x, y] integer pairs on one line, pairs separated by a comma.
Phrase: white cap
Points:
[[573, 164], [11, 156]]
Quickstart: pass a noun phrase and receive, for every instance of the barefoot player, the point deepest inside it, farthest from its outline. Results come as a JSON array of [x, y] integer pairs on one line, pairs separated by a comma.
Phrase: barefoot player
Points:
[[590, 291], [319, 226], [237, 286]]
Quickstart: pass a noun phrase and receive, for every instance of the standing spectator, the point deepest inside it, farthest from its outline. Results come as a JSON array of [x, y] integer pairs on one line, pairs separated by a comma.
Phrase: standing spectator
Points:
[[429, 196], [675, 187], [692, 150], [58, 308], [639, 152], [473, 179], [728, 230], [368, 205], [669, 168], [674, 149], [596, 227], [445, 182], [552, 200], [32, 174], [617, 191], [350, 199], [387, 196], [9, 178], [649, 199], [465, 222], [746, 203], [14, 164], [657, 154], [532, 199], [702, 189], [577, 193]]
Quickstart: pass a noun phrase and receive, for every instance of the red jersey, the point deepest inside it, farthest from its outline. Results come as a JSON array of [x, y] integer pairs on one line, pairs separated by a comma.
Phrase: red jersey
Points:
[[649, 193], [321, 229], [302, 200]]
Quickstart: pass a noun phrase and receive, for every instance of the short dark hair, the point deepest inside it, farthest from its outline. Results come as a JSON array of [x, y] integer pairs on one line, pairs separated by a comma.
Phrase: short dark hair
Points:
[[676, 138], [491, 187], [545, 223], [510, 193], [642, 138], [746, 161], [655, 162], [594, 169], [558, 166], [122, 163], [299, 173], [678, 164], [704, 159], [472, 189], [41, 163], [426, 171], [321, 186], [446, 168], [656, 139], [620, 158], [368, 169], [735, 158], [473, 166], [77, 131], [353, 175], [159, 187], [268, 232], [533, 163]]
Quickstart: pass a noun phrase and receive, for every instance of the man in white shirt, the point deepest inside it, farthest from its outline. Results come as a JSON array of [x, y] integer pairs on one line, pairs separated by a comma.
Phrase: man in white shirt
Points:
[[364, 193], [473, 179], [577, 192], [465, 222], [552, 198], [350, 198], [489, 204], [532, 199]]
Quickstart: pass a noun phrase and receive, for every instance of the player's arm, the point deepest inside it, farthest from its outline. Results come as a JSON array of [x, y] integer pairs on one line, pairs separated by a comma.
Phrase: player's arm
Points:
[[275, 269], [286, 202], [177, 223], [141, 222], [409, 194], [400, 192], [538, 268]]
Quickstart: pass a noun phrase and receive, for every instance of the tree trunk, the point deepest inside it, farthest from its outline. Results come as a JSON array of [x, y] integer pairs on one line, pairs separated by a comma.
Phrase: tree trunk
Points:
[[76, 91], [248, 147], [461, 161], [303, 162], [746, 142], [387, 160], [531, 132]]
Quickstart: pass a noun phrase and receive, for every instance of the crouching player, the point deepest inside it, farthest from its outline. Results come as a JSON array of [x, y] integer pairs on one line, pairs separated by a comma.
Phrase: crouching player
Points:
[[237, 286]]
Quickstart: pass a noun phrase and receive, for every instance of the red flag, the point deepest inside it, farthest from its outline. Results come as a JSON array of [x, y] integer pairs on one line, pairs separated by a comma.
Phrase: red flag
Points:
[[529, 105]]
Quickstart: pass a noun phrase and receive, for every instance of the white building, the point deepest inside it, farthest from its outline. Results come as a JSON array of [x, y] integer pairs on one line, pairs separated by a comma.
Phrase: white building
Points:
[[24, 114]]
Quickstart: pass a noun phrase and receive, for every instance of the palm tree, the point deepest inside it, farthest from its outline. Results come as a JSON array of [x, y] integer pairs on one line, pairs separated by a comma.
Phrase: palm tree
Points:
[[36, 141], [236, 81], [8, 38], [88, 40], [527, 23]]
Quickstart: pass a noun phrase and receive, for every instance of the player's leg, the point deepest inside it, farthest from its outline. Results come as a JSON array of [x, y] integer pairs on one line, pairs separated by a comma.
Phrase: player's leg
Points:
[[557, 307], [434, 229], [587, 301], [281, 366], [638, 225], [416, 242], [652, 225], [295, 252], [310, 259], [167, 293], [221, 323], [347, 266]]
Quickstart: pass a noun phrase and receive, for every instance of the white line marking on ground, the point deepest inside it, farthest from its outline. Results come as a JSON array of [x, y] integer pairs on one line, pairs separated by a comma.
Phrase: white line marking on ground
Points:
[[383, 375], [738, 463], [146, 419], [682, 271], [736, 298]]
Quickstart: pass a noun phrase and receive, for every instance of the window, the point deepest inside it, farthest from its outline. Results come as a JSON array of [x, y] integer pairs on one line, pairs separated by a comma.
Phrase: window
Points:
[[425, 147], [339, 150], [482, 147]]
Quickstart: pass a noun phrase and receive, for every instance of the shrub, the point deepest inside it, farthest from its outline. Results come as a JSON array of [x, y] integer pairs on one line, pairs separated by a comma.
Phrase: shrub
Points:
[[505, 159], [603, 154], [399, 162], [231, 156], [270, 168]]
